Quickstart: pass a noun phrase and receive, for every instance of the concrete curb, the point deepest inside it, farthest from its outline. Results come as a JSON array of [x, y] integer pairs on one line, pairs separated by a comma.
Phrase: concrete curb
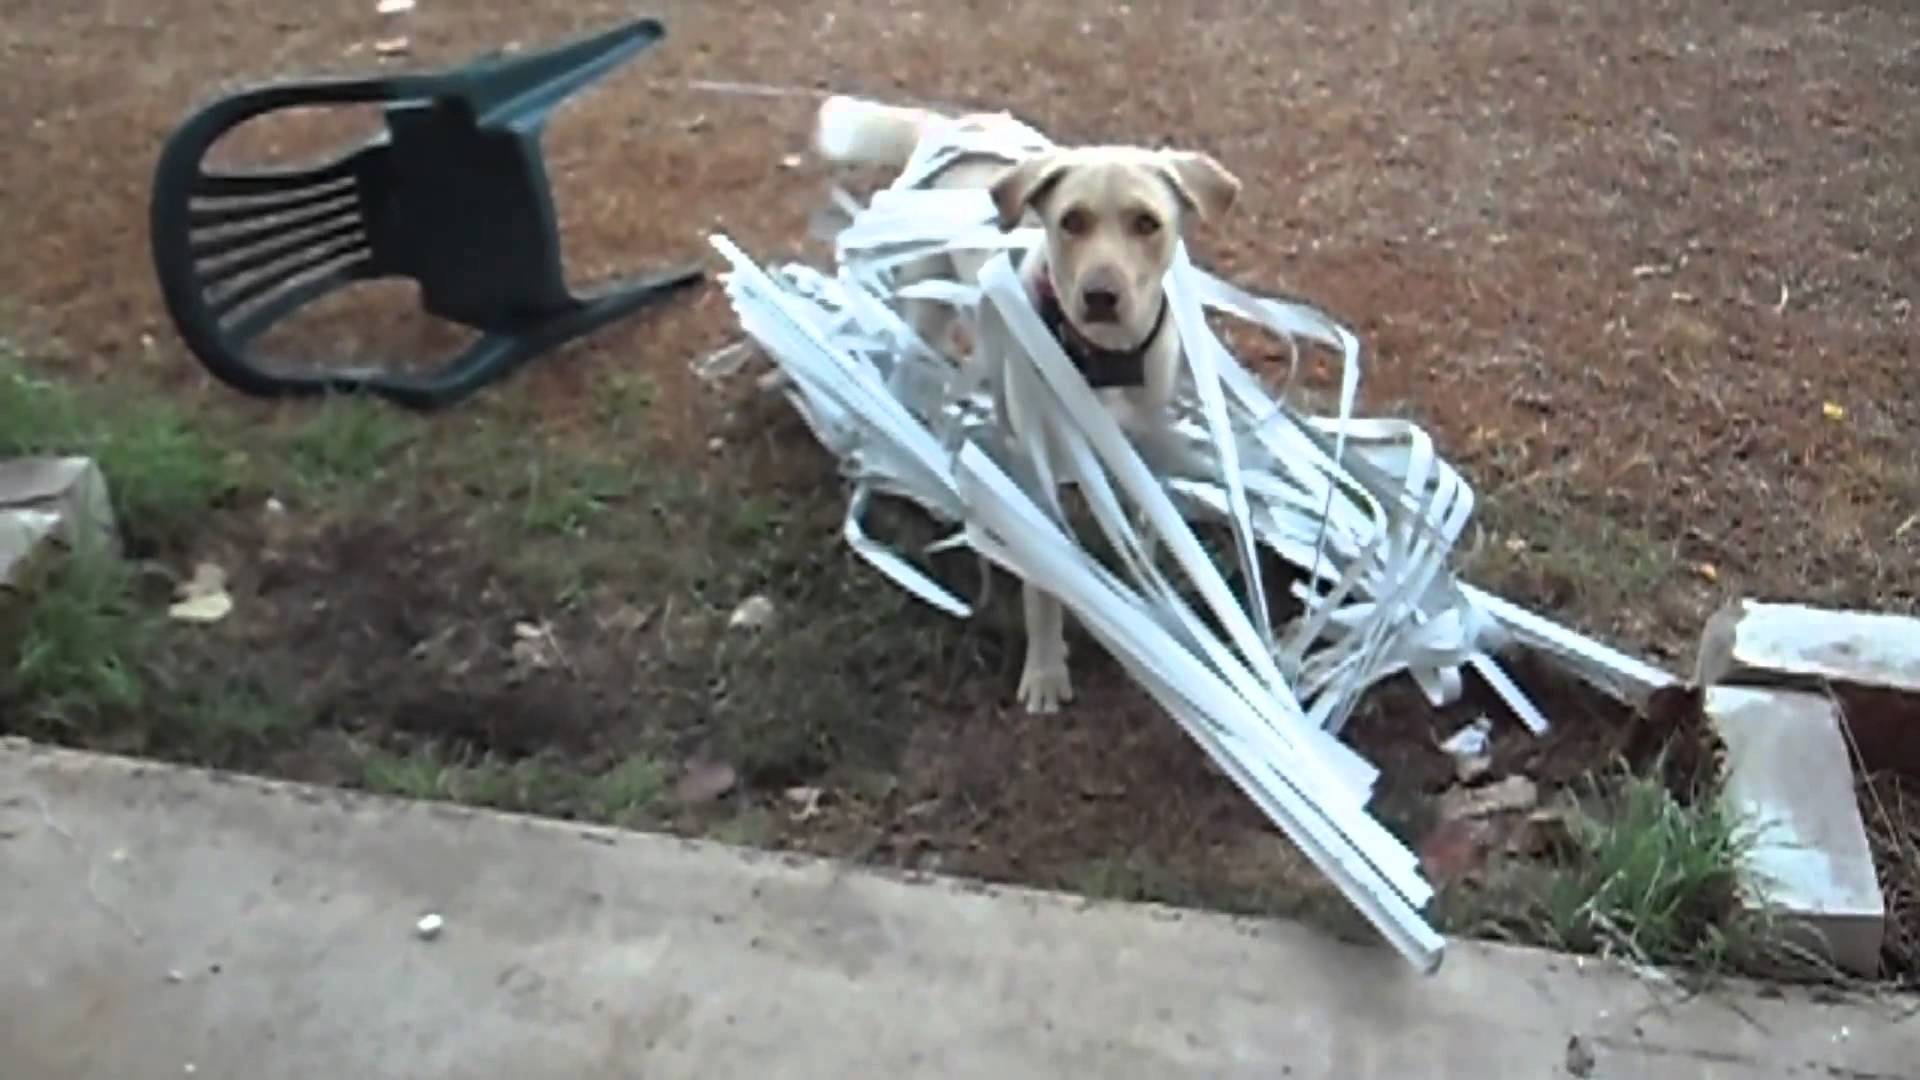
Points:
[[157, 918]]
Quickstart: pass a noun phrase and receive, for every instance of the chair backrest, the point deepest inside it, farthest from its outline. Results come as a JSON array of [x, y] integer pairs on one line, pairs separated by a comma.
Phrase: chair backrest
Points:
[[454, 194]]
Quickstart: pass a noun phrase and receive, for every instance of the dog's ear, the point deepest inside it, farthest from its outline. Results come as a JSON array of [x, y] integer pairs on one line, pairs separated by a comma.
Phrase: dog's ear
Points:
[[1021, 185], [1202, 183]]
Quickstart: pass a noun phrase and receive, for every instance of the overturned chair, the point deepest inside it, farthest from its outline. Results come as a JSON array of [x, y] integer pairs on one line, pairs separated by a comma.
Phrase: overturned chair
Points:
[[453, 194]]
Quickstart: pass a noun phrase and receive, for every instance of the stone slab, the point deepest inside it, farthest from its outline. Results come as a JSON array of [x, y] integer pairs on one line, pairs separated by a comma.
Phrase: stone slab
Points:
[[1870, 661], [44, 499], [1789, 776]]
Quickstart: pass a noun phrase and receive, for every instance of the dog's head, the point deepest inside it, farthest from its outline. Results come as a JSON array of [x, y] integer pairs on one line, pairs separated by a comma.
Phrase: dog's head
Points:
[[1112, 217]]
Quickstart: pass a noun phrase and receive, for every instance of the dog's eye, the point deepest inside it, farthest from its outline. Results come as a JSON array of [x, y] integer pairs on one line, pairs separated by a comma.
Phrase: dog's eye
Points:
[[1145, 224], [1074, 222]]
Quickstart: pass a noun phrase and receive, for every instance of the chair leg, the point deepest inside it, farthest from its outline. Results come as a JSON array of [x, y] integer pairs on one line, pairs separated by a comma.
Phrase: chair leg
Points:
[[498, 354]]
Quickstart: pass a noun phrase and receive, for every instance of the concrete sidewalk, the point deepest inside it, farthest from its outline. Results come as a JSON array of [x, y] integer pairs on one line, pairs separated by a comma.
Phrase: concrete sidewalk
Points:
[[158, 922]]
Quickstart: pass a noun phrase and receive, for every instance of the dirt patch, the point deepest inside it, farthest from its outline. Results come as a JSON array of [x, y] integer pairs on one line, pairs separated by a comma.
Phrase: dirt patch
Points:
[[1890, 802]]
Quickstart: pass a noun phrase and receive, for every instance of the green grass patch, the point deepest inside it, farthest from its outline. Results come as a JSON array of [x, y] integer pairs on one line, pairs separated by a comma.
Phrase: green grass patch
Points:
[[1642, 876], [77, 647], [625, 794], [349, 440], [162, 471]]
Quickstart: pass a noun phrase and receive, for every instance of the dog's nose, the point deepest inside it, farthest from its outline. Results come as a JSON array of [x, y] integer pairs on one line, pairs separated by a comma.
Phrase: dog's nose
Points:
[[1100, 303]]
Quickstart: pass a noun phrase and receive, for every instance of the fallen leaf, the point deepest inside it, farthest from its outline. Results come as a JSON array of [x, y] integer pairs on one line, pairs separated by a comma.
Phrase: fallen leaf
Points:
[[1544, 832], [1511, 795], [203, 598], [754, 613], [705, 781], [627, 619], [1833, 410], [534, 646], [1708, 571]]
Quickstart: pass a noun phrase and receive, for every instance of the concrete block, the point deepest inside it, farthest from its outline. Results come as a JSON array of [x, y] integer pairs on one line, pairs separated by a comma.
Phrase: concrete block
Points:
[[43, 500], [1869, 661], [1790, 778]]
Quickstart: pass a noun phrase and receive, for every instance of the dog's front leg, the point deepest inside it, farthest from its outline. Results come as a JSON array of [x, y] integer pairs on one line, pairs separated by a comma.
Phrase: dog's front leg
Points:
[[1044, 682]]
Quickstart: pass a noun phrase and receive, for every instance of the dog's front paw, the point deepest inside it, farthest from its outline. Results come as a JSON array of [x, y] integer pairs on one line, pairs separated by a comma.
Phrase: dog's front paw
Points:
[[1045, 687]]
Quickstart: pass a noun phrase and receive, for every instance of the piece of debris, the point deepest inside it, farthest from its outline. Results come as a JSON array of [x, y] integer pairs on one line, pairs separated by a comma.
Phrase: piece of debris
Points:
[[534, 646], [394, 7], [791, 161], [393, 46], [1470, 748], [754, 613], [1509, 796], [1708, 572], [1834, 411], [705, 781], [806, 802], [176, 976], [723, 362], [429, 926], [203, 598]]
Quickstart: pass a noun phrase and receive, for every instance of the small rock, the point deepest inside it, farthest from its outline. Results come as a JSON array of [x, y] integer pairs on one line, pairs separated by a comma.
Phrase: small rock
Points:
[[754, 613], [176, 976], [429, 926]]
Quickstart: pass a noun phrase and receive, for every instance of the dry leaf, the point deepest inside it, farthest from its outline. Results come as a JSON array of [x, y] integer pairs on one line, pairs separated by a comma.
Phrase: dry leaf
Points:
[[203, 598], [1833, 410], [754, 613], [534, 645], [705, 781], [1511, 795], [1709, 571]]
